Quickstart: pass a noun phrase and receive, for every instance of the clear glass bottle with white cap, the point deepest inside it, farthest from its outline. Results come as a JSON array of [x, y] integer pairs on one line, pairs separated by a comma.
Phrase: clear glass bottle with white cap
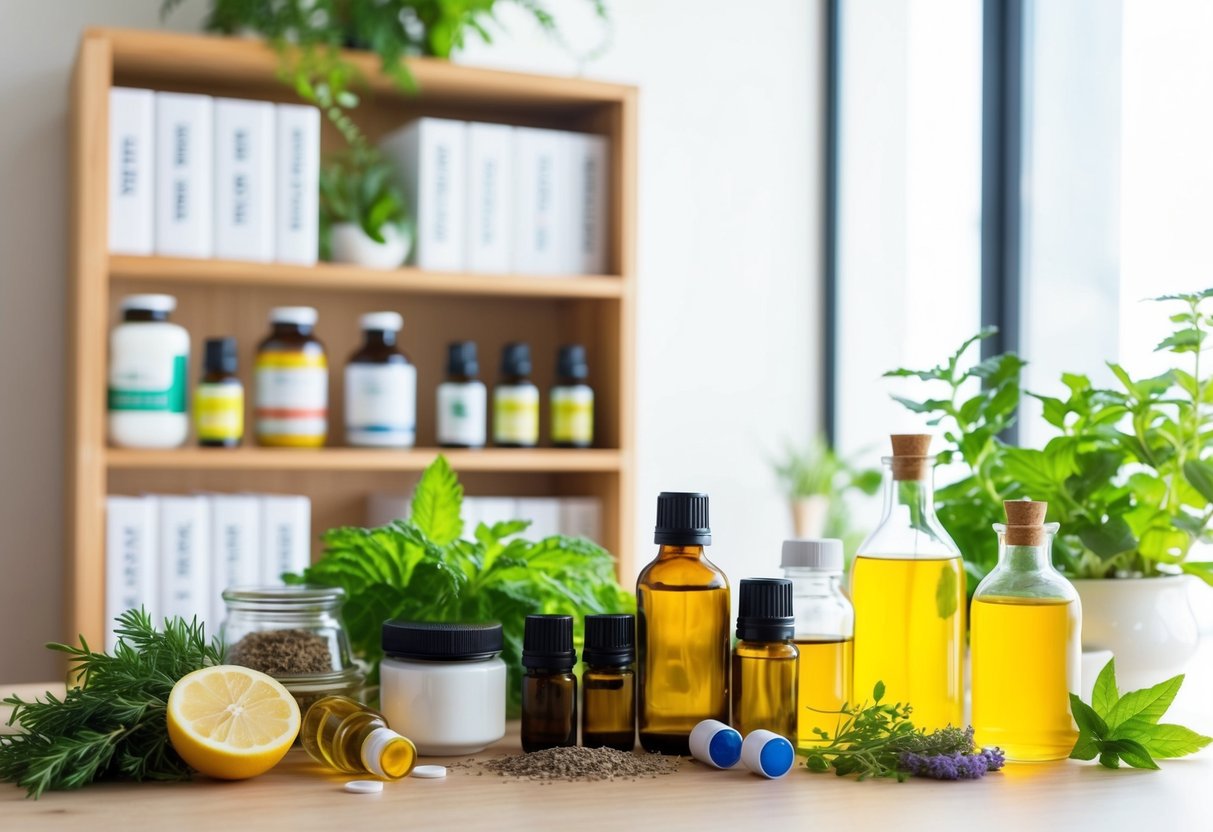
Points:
[[380, 387], [825, 631], [147, 375], [341, 733], [291, 381]]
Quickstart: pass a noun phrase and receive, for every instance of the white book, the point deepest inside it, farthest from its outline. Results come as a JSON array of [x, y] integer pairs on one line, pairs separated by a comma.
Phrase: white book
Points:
[[543, 201], [591, 205], [184, 557], [490, 165], [383, 507], [244, 180], [581, 517], [184, 175], [130, 559], [286, 534], [235, 540], [132, 163], [297, 183], [430, 159], [471, 516], [544, 514]]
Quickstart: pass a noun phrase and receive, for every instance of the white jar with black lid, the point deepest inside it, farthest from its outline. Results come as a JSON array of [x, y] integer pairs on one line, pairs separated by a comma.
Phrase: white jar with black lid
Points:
[[443, 685]]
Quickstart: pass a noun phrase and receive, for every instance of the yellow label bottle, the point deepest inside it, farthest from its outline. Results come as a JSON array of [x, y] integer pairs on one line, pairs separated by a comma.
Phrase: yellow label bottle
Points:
[[291, 382], [516, 400], [765, 661], [572, 400], [219, 399]]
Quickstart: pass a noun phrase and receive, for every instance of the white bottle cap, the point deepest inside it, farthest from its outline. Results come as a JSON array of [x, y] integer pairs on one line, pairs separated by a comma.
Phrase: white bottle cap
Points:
[[298, 315], [381, 321], [374, 746], [152, 303], [823, 554], [364, 786], [766, 753], [715, 743]]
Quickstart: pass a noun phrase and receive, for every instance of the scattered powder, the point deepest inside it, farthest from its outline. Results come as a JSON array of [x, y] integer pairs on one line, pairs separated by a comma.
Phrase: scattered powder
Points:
[[577, 763], [283, 653]]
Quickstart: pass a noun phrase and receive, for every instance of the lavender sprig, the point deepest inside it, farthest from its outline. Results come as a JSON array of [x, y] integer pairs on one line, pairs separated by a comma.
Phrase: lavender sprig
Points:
[[954, 766]]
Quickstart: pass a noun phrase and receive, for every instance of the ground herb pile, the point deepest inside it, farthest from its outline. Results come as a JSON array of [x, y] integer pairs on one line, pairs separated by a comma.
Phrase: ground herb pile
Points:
[[579, 763], [283, 653]]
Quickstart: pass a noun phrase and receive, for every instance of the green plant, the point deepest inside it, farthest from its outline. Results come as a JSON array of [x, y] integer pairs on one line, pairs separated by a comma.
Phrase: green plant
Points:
[[1115, 727], [1128, 475], [358, 186], [423, 569], [112, 725], [816, 469]]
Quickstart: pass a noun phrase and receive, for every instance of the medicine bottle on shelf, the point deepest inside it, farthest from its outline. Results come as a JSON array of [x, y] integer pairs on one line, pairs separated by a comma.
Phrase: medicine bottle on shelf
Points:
[[380, 387], [1025, 643], [572, 400], [291, 380], [147, 375], [516, 400], [825, 631], [549, 688], [462, 399], [765, 678], [608, 683], [219, 398], [682, 616], [348, 736]]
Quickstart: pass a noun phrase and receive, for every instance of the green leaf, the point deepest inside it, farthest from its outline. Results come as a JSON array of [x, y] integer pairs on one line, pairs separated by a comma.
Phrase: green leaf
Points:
[[1199, 472], [947, 591], [1183, 340], [1202, 570], [1085, 747], [1088, 721], [1132, 752], [878, 692], [437, 503], [1148, 704], [1105, 694], [1109, 539], [1162, 740]]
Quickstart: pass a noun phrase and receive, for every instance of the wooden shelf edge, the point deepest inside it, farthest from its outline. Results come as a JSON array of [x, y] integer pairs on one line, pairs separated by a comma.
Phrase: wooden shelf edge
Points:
[[538, 460]]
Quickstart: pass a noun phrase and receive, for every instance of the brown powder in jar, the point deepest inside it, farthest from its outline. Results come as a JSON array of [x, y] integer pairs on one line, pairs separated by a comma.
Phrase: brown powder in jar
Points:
[[283, 653]]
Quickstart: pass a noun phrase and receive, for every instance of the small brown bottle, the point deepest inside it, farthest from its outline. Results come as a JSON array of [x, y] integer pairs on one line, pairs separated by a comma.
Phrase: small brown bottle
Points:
[[219, 399], [291, 380], [549, 688], [380, 387], [608, 684], [765, 660]]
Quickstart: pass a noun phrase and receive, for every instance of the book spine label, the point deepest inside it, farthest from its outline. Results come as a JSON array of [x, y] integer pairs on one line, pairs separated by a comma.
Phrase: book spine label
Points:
[[235, 542], [185, 557], [297, 182], [130, 559], [244, 180], [490, 151], [285, 536], [184, 175], [131, 171], [542, 202], [590, 161]]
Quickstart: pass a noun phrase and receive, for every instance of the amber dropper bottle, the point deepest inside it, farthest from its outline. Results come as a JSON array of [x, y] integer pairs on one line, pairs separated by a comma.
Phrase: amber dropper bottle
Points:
[[549, 688], [765, 670], [608, 683]]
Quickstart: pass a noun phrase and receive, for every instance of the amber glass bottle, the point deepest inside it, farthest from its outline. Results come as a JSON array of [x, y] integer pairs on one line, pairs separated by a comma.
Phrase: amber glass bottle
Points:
[[765, 678], [683, 619], [608, 710], [549, 688]]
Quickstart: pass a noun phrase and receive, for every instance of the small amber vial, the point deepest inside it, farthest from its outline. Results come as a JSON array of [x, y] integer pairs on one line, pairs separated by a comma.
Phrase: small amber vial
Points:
[[549, 688], [608, 711], [765, 659], [348, 736]]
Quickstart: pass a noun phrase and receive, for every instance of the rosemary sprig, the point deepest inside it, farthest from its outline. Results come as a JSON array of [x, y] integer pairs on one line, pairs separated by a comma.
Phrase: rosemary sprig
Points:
[[113, 724]]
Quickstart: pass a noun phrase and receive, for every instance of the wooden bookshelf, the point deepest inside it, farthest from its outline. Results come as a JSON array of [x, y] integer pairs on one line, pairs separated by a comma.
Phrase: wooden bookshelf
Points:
[[232, 298]]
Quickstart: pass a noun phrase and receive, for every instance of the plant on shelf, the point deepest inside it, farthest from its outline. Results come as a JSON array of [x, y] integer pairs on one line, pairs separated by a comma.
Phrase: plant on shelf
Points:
[[816, 480], [363, 215]]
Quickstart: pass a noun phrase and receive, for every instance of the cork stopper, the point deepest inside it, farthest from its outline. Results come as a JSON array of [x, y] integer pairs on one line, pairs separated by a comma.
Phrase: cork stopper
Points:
[[1025, 522], [911, 455]]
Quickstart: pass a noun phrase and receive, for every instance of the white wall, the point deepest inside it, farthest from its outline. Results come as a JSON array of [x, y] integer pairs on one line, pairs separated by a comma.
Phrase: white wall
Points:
[[729, 218]]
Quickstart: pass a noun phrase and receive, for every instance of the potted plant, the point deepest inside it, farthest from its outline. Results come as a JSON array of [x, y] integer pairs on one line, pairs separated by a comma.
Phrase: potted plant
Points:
[[363, 217], [814, 478], [1128, 475]]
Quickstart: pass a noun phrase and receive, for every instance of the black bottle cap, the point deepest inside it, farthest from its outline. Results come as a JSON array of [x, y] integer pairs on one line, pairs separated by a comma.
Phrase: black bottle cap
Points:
[[610, 640], [219, 355], [461, 359], [764, 610], [516, 359], [571, 363], [547, 642], [682, 519], [437, 641]]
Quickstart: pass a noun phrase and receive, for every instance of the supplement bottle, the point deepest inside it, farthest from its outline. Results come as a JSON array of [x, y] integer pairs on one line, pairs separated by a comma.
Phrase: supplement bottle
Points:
[[572, 400], [291, 382], [825, 630], [516, 400], [462, 400], [219, 399], [1025, 643], [608, 683], [147, 375], [765, 678], [908, 587], [682, 604], [346, 735], [549, 688], [380, 387]]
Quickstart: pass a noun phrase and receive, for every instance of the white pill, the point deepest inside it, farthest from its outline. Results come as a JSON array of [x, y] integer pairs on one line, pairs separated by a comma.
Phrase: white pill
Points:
[[364, 786], [429, 772]]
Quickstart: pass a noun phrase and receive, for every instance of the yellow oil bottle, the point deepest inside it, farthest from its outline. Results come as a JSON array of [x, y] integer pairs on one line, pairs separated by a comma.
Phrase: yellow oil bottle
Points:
[[765, 660], [350, 737]]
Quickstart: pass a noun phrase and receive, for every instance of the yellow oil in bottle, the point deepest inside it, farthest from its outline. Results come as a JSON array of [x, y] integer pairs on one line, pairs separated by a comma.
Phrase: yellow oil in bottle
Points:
[[765, 684], [909, 634], [351, 738], [1023, 671], [825, 683]]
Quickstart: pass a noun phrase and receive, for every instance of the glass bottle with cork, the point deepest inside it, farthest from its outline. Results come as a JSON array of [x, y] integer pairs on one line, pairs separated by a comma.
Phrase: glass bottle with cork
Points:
[[219, 398], [682, 604], [572, 400], [608, 683], [908, 587], [380, 387], [1026, 643], [825, 630], [549, 688], [346, 735], [516, 400], [291, 381], [462, 399], [765, 678]]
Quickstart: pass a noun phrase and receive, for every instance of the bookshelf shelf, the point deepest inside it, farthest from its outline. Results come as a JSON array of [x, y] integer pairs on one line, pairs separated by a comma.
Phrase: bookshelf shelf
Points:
[[538, 460]]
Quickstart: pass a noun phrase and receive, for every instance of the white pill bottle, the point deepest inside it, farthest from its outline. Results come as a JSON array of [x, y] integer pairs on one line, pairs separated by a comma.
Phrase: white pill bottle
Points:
[[148, 366]]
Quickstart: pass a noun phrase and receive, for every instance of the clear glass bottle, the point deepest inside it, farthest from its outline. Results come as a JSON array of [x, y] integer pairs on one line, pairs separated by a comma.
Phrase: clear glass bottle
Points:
[[1026, 643], [608, 683], [825, 632], [350, 737], [765, 661], [908, 588], [549, 688], [682, 604]]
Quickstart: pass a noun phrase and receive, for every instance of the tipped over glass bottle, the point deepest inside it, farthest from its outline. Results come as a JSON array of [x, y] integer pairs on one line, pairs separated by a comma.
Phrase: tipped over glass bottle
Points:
[[765, 679], [1026, 643], [549, 688], [348, 736]]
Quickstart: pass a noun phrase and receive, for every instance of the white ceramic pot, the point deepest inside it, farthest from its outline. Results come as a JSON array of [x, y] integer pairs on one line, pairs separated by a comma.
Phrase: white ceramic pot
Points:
[[1147, 623], [809, 515], [350, 244]]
